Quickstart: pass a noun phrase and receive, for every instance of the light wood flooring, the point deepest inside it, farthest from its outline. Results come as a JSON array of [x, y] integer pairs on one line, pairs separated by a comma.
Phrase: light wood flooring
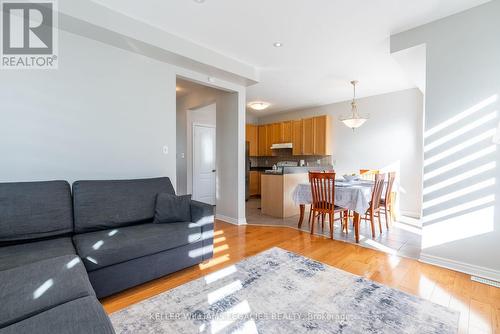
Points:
[[478, 304], [403, 238]]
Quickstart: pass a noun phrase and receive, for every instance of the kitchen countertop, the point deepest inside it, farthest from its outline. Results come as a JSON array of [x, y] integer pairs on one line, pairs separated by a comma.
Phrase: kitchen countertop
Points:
[[292, 170]]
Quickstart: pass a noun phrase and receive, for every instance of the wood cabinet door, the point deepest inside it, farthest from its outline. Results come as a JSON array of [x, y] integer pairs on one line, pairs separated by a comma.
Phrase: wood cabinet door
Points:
[[296, 137], [308, 136], [276, 137], [286, 132], [252, 138], [269, 139], [254, 183], [262, 140], [321, 135]]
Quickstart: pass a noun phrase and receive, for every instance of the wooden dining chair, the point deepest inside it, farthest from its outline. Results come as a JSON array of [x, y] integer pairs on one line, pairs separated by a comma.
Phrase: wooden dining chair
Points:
[[310, 210], [386, 202], [323, 201], [374, 209], [368, 174]]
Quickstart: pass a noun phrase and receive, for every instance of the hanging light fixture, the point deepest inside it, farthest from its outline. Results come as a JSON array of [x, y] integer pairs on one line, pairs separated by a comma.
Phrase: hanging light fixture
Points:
[[354, 120]]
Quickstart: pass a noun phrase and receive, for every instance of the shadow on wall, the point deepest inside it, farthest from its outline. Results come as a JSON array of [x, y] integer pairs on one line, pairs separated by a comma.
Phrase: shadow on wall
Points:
[[460, 175]]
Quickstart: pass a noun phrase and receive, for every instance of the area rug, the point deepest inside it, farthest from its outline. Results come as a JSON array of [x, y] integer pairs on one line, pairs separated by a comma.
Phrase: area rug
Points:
[[281, 292]]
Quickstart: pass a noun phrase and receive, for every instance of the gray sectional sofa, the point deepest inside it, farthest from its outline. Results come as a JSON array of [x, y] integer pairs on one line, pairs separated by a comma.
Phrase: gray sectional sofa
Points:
[[60, 251]]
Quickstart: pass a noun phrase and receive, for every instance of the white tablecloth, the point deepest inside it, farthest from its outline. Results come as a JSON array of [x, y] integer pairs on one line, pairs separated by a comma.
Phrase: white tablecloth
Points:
[[354, 196]]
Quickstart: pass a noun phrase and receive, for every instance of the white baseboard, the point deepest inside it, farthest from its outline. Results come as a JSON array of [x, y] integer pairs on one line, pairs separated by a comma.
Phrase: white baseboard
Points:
[[410, 214], [462, 267], [230, 220]]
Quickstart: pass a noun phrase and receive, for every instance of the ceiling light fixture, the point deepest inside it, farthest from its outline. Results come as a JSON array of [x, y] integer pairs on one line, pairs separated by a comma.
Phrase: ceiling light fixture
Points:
[[277, 44], [259, 105], [354, 120], [199, 1]]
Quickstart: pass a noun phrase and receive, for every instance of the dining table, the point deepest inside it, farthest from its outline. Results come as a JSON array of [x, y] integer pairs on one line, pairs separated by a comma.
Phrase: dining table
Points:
[[354, 196]]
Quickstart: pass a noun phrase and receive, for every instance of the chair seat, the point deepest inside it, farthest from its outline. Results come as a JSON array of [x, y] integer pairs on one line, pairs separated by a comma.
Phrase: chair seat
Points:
[[30, 252], [80, 316], [327, 206], [108, 247], [34, 288]]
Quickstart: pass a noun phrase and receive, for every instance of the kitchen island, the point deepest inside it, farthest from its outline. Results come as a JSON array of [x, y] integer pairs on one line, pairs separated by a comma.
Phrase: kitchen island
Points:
[[277, 190]]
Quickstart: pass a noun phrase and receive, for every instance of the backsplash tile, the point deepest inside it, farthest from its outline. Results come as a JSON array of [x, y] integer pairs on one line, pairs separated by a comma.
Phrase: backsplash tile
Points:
[[310, 160]]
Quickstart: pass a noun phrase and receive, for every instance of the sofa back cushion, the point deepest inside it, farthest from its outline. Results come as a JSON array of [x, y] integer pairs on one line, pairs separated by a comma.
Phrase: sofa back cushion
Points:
[[102, 205], [33, 210]]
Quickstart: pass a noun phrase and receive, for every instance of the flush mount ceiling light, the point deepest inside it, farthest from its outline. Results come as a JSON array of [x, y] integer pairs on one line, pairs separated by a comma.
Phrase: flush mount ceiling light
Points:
[[277, 44], [354, 120], [259, 105], [199, 1]]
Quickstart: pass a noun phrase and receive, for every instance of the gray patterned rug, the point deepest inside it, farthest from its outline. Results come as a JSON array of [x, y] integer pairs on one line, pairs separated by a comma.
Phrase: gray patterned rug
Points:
[[281, 292]]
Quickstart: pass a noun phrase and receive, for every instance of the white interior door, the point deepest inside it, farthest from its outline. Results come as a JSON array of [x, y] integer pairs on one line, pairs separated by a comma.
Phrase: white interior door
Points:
[[204, 164]]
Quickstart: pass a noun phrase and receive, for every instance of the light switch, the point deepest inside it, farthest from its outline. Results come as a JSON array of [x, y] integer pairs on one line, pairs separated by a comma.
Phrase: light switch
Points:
[[165, 149]]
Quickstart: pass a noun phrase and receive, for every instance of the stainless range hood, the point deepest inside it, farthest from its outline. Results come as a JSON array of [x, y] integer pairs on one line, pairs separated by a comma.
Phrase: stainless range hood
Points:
[[281, 146]]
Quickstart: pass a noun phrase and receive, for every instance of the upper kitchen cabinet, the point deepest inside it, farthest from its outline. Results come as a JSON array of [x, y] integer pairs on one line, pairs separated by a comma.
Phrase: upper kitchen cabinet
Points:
[[286, 132], [252, 137], [262, 140], [296, 139], [321, 125], [276, 134], [308, 136], [311, 136]]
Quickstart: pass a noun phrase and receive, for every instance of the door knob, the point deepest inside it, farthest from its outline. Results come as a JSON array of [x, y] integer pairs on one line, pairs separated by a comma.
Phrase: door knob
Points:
[[213, 170]]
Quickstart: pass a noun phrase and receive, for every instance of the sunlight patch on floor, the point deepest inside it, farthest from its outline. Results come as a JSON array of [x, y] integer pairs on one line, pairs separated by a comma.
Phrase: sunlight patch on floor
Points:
[[220, 274]]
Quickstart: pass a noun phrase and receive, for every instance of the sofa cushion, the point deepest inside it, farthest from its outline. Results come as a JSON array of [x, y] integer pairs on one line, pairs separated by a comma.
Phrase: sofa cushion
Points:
[[80, 316], [171, 209], [31, 210], [104, 248], [101, 205], [39, 286], [21, 254]]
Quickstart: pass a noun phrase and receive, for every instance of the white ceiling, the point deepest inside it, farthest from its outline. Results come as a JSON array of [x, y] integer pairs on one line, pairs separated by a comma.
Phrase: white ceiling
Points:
[[327, 43]]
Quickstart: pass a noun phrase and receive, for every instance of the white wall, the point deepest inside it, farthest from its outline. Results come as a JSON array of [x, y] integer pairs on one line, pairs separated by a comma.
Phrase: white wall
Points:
[[231, 170], [461, 214], [390, 140], [105, 113]]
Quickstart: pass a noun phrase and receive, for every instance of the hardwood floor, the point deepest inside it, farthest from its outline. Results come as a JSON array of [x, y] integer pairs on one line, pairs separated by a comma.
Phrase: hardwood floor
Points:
[[479, 304]]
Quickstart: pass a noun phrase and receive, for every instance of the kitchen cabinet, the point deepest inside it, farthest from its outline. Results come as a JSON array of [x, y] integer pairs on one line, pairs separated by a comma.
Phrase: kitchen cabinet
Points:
[[321, 128], [296, 139], [286, 132], [276, 133], [252, 137], [254, 186], [308, 136], [270, 135], [262, 140]]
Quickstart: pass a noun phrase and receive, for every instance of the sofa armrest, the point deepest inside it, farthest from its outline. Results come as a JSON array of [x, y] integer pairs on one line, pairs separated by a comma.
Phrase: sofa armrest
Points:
[[203, 215]]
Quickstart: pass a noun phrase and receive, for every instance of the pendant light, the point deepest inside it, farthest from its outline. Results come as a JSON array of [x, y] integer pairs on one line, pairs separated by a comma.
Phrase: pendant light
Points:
[[354, 120]]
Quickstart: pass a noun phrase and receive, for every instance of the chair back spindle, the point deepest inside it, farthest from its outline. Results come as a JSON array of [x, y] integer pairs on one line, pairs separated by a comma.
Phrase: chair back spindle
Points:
[[390, 183], [378, 187]]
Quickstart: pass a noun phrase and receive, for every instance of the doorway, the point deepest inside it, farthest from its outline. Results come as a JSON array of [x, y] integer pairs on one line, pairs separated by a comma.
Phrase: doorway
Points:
[[204, 171]]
